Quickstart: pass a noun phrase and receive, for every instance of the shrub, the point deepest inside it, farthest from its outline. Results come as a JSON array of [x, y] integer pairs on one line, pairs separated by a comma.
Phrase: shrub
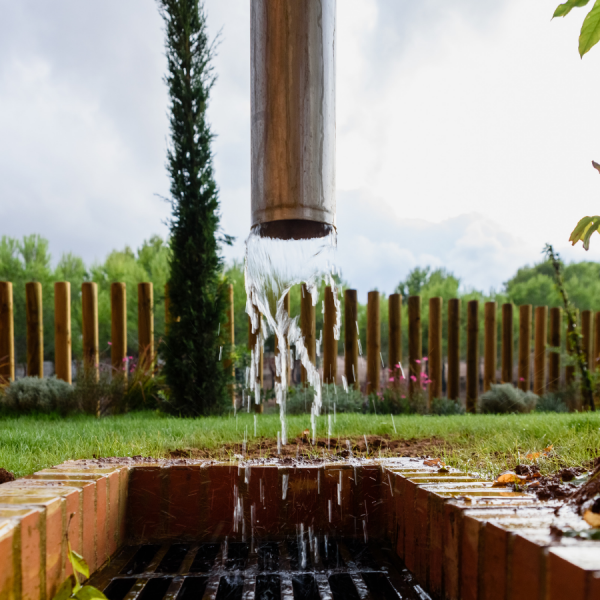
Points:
[[552, 402], [445, 406], [397, 401], [505, 398], [32, 394], [300, 399]]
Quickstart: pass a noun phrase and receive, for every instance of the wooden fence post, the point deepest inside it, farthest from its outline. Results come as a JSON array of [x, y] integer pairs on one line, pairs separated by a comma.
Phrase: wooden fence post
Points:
[[586, 332], [91, 345], [308, 326], [554, 357], [62, 330], [454, 349], [118, 329], [472, 355], [255, 342], [435, 348], [35, 329], [373, 343], [507, 343], [7, 333], [570, 369], [330, 345], [415, 346], [351, 338], [146, 325], [395, 336], [525, 312], [539, 359], [490, 358]]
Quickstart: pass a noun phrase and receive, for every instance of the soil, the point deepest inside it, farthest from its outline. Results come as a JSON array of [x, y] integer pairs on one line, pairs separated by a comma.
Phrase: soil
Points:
[[6, 476], [336, 448], [559, 486]]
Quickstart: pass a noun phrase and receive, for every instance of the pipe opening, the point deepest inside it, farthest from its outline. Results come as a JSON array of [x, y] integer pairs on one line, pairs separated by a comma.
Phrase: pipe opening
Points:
[[292, 229]]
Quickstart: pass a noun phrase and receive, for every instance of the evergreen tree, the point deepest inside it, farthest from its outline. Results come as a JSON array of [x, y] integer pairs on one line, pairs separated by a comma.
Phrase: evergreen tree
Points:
[[196, 376]]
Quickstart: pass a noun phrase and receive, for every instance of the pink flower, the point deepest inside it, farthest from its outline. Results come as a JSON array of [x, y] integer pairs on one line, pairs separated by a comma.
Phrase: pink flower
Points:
[[413, 378], [403, 396], [521, 378], [417, 361], [399, 367], [402, 377], [391, 379], [425, 359], [110, 343], [124, 359]]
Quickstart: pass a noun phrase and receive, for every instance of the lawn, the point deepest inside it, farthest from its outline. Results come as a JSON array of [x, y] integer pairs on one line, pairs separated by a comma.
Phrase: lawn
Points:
[[485, 443]]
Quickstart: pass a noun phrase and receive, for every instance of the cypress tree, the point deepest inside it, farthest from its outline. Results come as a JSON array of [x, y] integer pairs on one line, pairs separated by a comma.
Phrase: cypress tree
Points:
[[194, 371]]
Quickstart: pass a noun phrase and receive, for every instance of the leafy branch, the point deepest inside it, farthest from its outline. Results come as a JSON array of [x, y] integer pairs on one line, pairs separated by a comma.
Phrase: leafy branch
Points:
[[586, 226], [573, 335], [590, 30], [71, 588]]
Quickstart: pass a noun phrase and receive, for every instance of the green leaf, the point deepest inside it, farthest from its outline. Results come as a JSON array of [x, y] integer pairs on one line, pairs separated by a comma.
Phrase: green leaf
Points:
[[588, 233], [590, 30], [66, 589], [88, 592], [79, 563], [563, 10], [584, 230]]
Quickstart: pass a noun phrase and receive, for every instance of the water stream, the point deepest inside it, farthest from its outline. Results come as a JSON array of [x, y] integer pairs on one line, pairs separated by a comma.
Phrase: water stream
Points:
[[273, 266]]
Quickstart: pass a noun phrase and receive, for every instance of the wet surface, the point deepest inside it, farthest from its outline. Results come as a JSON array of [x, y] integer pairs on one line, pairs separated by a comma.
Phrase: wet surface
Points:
[[305, 567]]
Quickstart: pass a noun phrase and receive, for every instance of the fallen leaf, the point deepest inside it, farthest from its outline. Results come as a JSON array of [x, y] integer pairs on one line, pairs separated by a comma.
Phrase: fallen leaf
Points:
[[434, 462], [306, 433], [548, 449], [591, 518], [533, 456], [534, 484], [596, 166], [508, 478]]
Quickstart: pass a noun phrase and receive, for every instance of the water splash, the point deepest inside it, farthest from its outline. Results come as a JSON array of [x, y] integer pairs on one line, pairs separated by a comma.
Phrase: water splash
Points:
[[273, 266]]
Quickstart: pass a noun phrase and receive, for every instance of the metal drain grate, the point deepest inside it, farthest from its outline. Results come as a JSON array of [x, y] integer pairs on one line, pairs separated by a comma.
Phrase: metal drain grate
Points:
[[334, 570]]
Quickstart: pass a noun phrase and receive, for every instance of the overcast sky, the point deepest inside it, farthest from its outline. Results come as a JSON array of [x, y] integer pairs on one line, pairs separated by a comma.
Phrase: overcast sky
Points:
[[465, 131]]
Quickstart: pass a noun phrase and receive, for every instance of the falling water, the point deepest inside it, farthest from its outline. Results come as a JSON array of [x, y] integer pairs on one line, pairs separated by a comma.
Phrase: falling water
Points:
[[273, 266]]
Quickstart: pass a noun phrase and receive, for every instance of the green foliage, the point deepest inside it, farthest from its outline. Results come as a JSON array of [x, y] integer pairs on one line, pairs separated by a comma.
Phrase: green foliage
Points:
[[564, 9], [504, 398], [590, 30], [300, 399], [445, 406], [71, 588], [33, 395], [397, 401], [551, 402], [29, 259], [151, 263], [197, 290]]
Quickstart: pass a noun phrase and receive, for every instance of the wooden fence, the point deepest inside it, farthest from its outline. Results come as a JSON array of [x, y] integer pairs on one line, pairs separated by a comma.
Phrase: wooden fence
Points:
[[538, 368], [62, 328]]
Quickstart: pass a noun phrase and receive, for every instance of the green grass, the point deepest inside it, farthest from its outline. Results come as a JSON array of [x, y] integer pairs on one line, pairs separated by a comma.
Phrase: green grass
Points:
[[486, 443]]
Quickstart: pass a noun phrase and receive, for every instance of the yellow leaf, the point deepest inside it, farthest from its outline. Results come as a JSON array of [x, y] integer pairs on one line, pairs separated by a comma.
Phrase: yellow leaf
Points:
[[508, 478], [434, 462], [591, 518]]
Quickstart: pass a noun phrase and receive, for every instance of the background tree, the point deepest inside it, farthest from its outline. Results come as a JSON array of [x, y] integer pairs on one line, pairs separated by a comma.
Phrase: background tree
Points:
[[195, 374]]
